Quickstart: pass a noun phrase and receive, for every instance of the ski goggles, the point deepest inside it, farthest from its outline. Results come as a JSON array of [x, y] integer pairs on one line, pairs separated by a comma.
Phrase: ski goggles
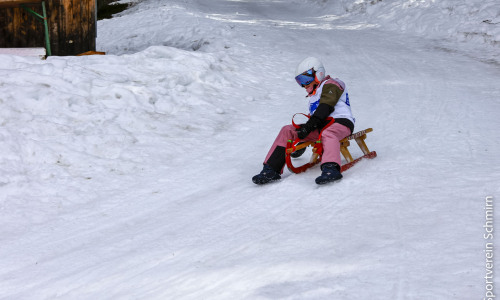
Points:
[[306, 78]]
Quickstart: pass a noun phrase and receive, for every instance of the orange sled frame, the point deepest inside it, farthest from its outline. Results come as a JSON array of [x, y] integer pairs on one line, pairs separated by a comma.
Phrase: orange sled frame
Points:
[[317, 150]]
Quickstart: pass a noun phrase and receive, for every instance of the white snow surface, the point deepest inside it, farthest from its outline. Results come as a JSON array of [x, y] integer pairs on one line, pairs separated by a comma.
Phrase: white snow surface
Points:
[[128, 176]]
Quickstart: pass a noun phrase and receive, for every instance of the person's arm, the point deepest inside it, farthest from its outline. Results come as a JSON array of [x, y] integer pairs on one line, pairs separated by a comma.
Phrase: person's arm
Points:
[[329, 97]]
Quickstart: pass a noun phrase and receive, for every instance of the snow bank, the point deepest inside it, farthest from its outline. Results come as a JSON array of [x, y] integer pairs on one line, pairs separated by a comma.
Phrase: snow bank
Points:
[[471, 26], [154, 24], [77, 117], [474, 24]]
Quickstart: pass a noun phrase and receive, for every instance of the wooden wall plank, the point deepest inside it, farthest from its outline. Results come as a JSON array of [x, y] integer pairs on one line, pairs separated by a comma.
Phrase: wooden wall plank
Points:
[[15, 3]]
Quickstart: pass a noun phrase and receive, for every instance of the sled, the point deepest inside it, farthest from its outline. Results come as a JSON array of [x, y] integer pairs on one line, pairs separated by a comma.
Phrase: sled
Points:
[[317, 151]]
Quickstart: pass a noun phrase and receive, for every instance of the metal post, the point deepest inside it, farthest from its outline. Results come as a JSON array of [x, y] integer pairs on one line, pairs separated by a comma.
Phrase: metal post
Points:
[[43, 19], [47, 37]]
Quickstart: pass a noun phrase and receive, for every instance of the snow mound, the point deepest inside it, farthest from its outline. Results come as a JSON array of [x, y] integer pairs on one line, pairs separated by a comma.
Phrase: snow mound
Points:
[[470, 25], [156, 25], [79, 116]]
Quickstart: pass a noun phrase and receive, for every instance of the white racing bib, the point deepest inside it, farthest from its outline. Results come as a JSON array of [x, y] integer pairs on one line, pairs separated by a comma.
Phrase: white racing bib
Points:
[[342, 108]]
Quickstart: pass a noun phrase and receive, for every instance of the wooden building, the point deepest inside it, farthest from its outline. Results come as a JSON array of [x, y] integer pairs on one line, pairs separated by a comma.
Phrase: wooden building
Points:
[[70, 26]]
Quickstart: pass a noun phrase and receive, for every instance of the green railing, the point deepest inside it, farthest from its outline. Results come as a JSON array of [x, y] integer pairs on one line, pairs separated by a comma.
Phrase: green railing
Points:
[[42, 18]]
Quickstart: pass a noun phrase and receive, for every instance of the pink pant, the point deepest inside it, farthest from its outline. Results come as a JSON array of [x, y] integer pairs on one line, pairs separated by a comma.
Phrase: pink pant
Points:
[[330, 137]]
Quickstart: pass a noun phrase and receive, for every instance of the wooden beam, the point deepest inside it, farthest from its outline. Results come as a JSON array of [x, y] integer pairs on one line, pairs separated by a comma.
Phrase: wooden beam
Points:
[[36, 52], [17, 3]]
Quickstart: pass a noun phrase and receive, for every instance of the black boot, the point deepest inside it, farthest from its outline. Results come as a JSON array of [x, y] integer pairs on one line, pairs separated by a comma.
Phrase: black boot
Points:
[[299, 152], [330, 173], [266, 175]]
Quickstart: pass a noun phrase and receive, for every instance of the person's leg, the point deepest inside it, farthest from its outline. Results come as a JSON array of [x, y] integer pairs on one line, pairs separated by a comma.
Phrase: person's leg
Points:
[[275, 158], [276, 155], [331, 161], [331, 138]]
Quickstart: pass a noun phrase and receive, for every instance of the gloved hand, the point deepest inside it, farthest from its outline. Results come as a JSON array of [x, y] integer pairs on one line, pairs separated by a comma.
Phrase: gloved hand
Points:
[[304, 130], [308, 127]]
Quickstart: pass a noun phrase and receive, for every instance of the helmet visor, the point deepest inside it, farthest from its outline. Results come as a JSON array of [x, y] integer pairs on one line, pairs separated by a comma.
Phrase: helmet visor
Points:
[[306, 78]]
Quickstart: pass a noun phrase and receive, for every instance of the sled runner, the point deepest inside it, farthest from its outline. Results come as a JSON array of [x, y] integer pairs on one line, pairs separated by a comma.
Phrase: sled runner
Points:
[[317, 150]]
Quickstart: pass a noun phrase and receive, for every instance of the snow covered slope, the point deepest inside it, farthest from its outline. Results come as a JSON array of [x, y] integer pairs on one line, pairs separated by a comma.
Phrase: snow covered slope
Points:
[[128, 176], [462, 25]]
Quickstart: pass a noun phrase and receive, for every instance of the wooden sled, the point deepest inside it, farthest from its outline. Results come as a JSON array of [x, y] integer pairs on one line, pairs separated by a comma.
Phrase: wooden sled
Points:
[[317, 150]]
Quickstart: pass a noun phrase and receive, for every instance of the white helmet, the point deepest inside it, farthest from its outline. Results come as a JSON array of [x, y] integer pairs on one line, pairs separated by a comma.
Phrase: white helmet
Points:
[[311, 63]]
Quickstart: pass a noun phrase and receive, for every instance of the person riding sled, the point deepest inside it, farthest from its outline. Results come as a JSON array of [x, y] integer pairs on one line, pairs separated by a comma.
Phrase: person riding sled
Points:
[[328, 102]]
